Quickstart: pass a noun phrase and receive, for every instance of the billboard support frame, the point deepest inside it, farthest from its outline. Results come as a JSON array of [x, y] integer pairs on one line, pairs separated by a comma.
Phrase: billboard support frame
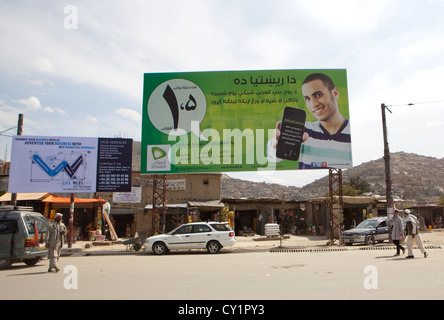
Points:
[[159, 203], [336, 203]]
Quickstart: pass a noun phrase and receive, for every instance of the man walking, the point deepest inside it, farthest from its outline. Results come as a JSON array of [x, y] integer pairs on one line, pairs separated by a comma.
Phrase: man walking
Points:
[[54, 241], [397, 233], [412, 232]]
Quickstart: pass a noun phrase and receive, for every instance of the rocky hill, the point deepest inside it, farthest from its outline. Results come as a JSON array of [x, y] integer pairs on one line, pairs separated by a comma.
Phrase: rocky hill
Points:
[[413, 177], [236, 188]]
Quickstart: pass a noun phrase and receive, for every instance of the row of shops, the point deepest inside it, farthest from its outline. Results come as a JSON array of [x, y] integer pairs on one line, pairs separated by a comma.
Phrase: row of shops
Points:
[[198, 197], [88, 213], [246, 216]]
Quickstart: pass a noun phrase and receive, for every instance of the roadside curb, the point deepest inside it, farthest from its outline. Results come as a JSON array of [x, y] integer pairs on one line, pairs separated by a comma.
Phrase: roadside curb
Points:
[[289, 250]]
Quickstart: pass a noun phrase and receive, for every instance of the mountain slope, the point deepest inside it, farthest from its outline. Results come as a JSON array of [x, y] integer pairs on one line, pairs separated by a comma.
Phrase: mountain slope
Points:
[[413, 177]]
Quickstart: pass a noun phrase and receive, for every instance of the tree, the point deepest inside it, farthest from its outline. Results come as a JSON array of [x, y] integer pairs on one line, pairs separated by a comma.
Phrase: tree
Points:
[[355, 187], [359, 184], [349, 190]]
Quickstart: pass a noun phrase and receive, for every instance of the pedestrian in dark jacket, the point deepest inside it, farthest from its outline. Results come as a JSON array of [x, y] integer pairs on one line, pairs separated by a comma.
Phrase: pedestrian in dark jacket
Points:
[[397, 232]]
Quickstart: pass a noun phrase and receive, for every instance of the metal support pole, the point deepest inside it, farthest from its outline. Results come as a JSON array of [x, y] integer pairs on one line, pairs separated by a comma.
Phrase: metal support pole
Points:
[[390, 205], [71, 221], [159, 204], [336, 203], [19, 133]]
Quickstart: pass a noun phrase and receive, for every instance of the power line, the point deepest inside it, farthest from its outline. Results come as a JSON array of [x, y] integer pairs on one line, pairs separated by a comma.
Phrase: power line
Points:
[[414, 104], [1, 132]]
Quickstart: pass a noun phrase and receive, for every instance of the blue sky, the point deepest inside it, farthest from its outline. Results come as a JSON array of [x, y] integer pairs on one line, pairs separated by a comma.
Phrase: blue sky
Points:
[[85, 79]]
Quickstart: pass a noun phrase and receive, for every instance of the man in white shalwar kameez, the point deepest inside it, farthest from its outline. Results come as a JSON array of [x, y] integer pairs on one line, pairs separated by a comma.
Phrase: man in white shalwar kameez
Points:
[[412, 232]]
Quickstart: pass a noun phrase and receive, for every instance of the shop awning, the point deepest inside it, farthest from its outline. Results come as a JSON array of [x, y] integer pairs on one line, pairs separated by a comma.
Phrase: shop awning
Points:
[[120, 211], [65, 200], [201, 205], [25, 196], [206, 205], [178, 205]]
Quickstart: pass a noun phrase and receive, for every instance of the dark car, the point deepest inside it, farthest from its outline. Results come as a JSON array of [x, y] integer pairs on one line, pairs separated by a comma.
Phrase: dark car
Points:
[[22, 236], [368, 231]]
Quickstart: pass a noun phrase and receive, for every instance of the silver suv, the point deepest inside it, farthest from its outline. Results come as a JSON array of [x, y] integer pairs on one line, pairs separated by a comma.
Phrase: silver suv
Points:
[[22, 236]]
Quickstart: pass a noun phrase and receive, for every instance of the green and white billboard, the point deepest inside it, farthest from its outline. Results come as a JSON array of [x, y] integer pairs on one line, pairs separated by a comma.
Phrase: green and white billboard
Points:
[[258, 120]]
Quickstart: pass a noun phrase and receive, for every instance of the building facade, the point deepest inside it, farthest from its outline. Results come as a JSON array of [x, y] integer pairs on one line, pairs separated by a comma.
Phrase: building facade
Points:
[[196, 195]]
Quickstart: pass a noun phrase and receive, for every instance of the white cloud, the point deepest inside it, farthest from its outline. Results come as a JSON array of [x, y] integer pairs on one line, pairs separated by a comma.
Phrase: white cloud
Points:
[[32, 103], [434, 123], [129, 114], [8, 117], [92, 119], [56, 110], [350, 16], [61, 112], [44, 65], [36, 82], [48, 109]]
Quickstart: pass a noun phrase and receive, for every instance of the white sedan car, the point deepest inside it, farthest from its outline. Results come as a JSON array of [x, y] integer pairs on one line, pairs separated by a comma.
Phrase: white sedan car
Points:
[[197, 235]]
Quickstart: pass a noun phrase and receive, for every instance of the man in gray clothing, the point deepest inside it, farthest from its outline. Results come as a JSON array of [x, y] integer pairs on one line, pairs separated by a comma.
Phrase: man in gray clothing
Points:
[[54, 242], [397, 232]]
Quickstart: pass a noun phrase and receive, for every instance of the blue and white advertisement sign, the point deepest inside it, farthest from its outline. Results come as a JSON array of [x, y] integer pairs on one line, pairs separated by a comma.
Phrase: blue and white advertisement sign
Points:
[[70, 164]]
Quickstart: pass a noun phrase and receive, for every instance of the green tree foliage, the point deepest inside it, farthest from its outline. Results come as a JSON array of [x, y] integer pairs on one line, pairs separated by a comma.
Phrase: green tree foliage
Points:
[[349, 190], [355, 187]]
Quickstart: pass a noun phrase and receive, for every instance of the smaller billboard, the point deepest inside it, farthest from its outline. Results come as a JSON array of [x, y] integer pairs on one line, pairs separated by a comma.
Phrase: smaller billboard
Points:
[[135, 196], [70, 164]]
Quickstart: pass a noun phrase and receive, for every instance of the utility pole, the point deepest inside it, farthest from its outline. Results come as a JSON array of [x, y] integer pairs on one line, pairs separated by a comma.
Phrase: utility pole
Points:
[[19, 133], [71, 221], [390, 205]]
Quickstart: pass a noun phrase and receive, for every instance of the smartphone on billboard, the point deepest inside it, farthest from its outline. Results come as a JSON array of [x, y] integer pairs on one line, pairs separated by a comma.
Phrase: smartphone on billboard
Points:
[[292, 129]]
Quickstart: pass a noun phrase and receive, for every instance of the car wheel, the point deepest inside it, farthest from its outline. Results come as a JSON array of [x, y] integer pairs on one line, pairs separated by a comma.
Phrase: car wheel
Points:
[[5, 263], [370, 240], [160, 248], [32, 262], [213, 247]]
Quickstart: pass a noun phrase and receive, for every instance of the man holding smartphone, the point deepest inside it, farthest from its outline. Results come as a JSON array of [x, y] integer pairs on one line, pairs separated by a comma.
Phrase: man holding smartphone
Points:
[[326, 142]]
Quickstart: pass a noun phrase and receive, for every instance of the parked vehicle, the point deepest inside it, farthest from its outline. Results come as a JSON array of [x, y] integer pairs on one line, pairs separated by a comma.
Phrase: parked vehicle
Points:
[[368, 232], [212, 236], [22, 236]]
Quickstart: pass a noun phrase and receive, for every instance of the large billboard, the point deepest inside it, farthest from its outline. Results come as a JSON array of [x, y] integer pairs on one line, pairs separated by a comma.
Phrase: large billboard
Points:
[[70, 164], [245, 121]]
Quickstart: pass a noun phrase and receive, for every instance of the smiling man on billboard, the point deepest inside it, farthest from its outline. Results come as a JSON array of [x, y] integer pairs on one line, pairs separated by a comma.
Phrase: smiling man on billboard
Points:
[[325, 142]]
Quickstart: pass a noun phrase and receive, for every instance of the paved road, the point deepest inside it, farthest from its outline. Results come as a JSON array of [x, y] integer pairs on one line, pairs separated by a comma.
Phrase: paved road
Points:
[[353, 274]]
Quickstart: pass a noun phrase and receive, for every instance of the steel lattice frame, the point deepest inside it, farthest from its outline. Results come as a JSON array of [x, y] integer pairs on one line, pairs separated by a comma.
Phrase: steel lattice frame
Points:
[[336, 203], [159, 199]]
